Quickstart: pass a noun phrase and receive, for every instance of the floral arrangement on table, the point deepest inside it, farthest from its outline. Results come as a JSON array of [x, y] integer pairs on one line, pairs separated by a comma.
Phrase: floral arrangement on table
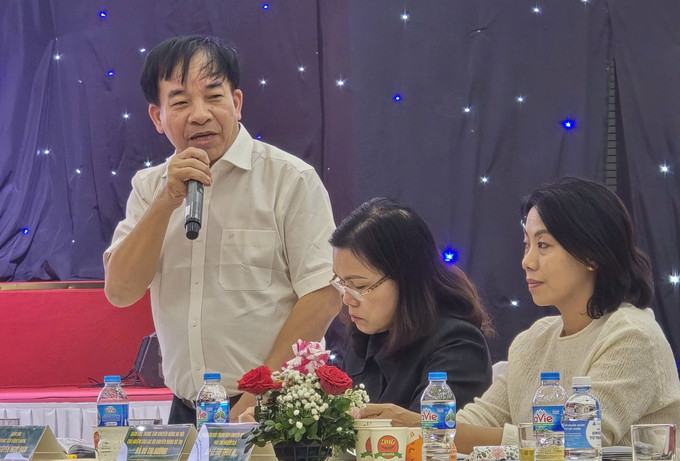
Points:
[[307, 402]]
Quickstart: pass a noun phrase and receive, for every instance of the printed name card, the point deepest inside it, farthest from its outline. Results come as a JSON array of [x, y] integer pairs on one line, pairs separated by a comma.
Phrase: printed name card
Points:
[[167, 443], [222, 442], [29, 443]]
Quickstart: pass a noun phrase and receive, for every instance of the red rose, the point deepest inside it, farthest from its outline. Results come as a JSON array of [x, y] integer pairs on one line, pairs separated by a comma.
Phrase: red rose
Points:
[[258, 381], [332, 380]]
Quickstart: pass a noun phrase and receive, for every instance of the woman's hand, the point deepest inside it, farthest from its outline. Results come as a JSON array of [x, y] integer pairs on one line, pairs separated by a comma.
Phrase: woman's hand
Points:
[[247, 416], [400, 416]]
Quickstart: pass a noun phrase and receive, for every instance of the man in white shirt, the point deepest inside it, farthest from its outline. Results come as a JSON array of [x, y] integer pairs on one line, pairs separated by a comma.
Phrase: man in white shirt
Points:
[[257, 278]]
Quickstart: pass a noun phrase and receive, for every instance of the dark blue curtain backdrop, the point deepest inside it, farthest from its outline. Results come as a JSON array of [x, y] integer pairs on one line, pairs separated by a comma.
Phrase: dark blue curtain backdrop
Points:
[[456, 108]]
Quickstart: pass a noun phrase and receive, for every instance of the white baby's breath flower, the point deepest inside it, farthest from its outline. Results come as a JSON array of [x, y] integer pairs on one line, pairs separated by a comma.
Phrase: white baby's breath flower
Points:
[[361, 386], [317, 385], [296, 412], [308, 406], [299, 425], [339, 429], [315, 411], [290, 421], [316, 417]]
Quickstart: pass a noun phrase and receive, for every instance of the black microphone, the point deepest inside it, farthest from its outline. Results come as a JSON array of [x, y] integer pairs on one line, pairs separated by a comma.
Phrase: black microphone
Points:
[[193, 210]]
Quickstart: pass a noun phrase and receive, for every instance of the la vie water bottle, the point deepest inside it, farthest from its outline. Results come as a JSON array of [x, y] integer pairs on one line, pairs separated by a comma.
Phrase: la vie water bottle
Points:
[[438, 419], [112, 404]]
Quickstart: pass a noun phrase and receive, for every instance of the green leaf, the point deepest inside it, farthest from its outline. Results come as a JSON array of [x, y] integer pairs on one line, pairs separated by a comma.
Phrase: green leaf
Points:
[[298, 437], [278, 426], [308, 421], [269, 422]]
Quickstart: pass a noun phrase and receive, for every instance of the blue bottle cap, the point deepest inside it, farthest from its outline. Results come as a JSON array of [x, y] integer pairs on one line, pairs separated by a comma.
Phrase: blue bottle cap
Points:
[[437, 376], [112, 379], [550, 376], [208, 376]]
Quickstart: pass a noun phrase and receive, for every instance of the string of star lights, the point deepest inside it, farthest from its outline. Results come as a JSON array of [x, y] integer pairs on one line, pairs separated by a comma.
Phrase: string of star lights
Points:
[[468, 112]]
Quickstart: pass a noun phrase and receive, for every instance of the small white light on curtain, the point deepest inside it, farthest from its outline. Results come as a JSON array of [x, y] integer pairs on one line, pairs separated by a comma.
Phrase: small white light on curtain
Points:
[[126, 115], [520, 98], [78, 171], [301, 69], [46, 151], [147, 164], [263, 82], [664, 168], [674, 279], [73, 241], [57, 57], [142, 50], [514, 303], [467, 110], [536, 9], [405, 16], [484, 179], [340, 82], [113, 173]]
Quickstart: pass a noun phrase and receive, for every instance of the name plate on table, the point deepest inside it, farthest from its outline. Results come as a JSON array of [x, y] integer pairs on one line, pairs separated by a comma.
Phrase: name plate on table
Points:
[[222, 442], [29, 443], [167, 443]]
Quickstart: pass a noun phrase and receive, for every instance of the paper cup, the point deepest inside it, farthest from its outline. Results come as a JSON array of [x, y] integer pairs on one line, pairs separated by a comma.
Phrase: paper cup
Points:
[[389, 443], [363, 430], [414, 444], [359, 423], [363, 448]]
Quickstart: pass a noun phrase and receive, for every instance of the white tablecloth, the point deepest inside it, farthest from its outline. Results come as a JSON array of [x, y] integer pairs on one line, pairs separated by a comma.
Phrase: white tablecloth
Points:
[[75, 420]]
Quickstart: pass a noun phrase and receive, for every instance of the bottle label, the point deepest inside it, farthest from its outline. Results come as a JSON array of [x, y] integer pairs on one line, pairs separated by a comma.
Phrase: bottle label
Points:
[[583, 434], [212, 413], [109, 415], [548, 419], [438, 416]]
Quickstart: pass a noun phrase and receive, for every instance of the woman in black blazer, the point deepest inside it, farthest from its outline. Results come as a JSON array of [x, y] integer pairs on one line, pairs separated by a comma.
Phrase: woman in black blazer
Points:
[[411, 313]]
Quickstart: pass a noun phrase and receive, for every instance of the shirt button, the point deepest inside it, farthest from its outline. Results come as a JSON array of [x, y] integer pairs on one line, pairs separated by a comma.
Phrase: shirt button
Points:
[[194, 323], [199, 239], [198, 368]]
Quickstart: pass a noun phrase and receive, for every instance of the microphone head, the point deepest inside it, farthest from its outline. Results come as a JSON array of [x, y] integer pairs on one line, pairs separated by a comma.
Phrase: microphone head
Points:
[[192, 228]]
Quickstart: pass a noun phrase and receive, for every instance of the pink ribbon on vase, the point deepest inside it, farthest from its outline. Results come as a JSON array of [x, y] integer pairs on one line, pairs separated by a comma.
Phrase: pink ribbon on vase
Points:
[[309, 356]]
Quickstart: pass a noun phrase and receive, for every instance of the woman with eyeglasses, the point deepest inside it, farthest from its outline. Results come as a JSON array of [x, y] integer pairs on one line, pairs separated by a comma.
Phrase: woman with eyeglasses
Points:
[[412, 314]]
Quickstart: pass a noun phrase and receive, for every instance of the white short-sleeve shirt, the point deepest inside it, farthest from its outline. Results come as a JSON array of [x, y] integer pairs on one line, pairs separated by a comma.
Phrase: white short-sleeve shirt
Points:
[[220, 301]]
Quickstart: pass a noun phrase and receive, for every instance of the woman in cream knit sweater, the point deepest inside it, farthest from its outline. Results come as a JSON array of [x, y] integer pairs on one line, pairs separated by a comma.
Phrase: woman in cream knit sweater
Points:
[[580, 256]]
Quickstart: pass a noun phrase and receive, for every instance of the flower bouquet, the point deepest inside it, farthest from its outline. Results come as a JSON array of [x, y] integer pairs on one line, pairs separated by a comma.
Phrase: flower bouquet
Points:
[[307, 404]]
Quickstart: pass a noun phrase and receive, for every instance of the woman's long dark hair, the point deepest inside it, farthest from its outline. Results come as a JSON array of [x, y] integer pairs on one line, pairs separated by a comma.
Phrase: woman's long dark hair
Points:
[[592, 224], [394, 241]]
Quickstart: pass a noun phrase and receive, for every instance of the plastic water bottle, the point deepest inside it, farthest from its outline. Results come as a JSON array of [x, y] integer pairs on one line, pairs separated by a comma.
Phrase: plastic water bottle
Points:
[[548, 406], [112, 404], [582, 424], [438, 419], [212, 402]]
